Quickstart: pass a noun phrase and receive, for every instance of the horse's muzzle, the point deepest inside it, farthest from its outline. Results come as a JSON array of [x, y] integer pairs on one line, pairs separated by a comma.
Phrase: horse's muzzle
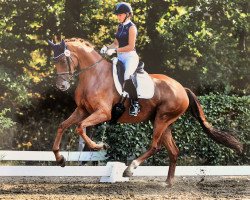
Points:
[[62, 82]]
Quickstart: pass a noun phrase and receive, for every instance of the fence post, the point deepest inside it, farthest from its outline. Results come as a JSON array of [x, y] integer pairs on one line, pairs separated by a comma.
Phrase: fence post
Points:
[[117, 169], [81, 144]]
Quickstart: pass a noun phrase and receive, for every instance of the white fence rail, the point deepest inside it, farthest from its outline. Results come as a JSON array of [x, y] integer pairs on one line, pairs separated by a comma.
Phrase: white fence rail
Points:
[[112, 172], [49, 155]]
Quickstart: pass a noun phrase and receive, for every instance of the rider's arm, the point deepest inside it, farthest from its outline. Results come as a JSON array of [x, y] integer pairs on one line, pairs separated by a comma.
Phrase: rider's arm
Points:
[[114, 45], [131, 40]]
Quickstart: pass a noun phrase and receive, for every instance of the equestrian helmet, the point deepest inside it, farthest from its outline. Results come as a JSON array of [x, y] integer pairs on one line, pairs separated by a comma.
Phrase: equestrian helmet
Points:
[[123, 7]]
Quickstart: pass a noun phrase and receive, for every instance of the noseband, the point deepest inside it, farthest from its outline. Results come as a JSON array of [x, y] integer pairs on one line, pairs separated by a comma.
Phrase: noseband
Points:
[[69, 59]]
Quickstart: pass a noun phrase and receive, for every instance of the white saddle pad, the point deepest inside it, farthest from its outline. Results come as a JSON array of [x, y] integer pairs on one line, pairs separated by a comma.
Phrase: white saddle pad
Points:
[[145, 88]]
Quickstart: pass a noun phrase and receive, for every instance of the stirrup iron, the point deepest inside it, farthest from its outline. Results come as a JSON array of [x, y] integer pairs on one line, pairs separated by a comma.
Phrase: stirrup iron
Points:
[[134, 108]]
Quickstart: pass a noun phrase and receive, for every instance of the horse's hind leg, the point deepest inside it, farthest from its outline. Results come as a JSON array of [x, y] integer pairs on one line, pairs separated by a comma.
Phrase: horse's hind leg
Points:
[[160, 126], [168, 141]]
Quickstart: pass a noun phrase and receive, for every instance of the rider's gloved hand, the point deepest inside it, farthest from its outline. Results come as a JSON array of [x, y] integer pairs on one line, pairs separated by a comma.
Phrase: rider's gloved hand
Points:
[[110, 52], [104, 49]]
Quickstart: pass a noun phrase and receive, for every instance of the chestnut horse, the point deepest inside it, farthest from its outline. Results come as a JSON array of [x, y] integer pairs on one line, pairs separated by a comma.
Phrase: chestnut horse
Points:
[[95, 95]]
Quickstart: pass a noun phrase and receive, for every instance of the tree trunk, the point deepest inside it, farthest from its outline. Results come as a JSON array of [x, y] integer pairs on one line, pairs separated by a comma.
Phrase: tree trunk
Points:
[[71, 21]]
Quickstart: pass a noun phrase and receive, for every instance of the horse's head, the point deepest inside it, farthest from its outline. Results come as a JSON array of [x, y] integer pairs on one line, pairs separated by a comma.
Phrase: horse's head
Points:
[[74, 55], [65, 63]]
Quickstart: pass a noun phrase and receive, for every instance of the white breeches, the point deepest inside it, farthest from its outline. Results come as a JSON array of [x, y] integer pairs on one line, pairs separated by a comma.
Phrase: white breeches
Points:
[[130, 60]]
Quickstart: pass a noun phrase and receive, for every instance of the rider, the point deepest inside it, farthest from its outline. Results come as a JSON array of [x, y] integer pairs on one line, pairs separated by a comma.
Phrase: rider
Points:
[[124, 46]]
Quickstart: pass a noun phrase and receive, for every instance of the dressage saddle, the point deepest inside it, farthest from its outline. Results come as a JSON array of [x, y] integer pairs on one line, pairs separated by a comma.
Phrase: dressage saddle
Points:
[[119, 108]]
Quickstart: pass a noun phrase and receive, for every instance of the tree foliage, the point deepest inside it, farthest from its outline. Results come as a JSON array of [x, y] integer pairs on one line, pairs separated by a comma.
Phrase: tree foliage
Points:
[[205, 41]]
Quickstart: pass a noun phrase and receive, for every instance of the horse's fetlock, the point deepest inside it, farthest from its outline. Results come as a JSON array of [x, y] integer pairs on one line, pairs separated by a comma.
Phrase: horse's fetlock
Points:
[[55, 150], [135, 164]]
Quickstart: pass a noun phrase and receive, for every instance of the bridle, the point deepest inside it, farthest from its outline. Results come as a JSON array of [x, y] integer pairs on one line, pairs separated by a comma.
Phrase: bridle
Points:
[[69, 59]]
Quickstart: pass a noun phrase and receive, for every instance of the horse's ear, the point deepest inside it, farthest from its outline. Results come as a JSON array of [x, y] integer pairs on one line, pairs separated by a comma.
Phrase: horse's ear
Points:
[[51, 43]]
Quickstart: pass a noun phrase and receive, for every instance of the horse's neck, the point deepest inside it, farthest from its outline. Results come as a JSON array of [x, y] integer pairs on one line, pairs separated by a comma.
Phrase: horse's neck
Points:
[[93, 78]]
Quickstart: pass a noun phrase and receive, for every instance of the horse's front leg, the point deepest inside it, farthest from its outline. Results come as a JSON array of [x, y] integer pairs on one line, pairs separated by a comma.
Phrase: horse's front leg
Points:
[[97, 117], [74, 118]]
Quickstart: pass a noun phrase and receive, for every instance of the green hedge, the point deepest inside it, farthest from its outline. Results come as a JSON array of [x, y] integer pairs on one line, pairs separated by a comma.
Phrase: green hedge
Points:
[[224, 112]]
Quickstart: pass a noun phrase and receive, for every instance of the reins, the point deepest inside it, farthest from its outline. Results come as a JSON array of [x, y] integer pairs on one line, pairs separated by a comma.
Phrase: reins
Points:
[[87, 68]]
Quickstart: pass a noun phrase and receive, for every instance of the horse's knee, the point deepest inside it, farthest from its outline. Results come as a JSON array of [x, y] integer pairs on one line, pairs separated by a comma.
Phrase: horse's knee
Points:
[[61, 128]]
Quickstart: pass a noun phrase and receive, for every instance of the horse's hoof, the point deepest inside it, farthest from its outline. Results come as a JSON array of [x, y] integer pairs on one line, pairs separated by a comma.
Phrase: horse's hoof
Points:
[[62, 162], [169, 184], [127, 173], [103, 146], [163, 184], [106, 146]]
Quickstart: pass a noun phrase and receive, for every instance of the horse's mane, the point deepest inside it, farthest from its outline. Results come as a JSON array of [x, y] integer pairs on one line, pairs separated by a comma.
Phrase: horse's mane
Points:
[[80, 40]]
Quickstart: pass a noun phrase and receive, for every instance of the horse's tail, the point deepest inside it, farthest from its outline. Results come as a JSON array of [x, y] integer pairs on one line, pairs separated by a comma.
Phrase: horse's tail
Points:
[[225, 138]]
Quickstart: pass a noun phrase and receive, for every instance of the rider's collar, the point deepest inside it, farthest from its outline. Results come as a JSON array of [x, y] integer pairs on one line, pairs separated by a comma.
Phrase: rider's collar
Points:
[[126, 22]]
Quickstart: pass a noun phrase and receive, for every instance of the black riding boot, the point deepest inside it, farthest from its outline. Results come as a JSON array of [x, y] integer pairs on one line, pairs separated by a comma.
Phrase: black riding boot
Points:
[[134, 107], [130, 88]]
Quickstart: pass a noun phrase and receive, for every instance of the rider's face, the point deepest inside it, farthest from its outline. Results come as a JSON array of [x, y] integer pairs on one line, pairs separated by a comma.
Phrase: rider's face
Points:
[[121, 17]]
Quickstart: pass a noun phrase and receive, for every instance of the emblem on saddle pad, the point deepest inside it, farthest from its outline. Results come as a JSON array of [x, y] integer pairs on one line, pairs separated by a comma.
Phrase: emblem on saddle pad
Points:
[[144, 83]]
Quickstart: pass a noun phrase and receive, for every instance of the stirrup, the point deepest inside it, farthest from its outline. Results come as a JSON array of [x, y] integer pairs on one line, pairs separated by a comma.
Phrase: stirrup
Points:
[[134, 108]]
